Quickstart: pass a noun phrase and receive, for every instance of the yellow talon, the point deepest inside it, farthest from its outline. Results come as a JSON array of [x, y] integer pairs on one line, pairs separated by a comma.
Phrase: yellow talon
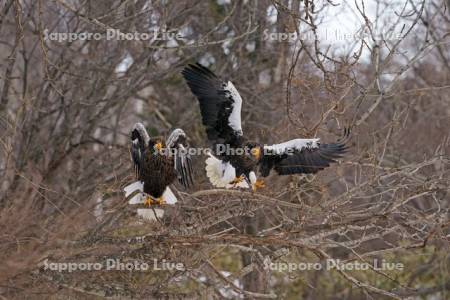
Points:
[[237, 180], [160, 201], [148, 201], [258, 184]]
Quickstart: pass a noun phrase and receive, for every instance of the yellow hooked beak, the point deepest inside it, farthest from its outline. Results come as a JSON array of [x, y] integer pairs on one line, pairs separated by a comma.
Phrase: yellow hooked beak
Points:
[[256, 152], [158, 146]]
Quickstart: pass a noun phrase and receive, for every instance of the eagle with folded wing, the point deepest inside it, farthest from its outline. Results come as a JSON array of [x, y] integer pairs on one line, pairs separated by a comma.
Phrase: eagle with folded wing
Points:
[[220, 107], [159, 163]]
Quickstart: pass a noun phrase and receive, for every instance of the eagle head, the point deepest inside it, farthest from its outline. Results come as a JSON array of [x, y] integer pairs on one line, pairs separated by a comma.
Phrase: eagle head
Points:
[[156, 146], [254, 150]]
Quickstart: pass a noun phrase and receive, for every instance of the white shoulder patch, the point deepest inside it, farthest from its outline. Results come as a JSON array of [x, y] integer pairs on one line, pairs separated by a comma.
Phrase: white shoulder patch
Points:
[[169, 197], [135, 186], [235, 117], [297, 144], [137, 199]]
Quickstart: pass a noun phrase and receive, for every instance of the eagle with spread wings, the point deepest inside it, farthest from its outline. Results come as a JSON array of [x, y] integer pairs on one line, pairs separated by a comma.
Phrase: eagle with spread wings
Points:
[[220, 107], [157, 164]]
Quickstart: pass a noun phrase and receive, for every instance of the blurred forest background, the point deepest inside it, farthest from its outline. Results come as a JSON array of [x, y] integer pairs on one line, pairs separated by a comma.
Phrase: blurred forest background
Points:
[[67, 108]]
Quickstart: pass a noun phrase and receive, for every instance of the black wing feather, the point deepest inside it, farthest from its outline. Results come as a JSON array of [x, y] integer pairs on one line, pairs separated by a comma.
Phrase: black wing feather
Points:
[[182, 161], [137, 152], [306, 161], [215, 104]]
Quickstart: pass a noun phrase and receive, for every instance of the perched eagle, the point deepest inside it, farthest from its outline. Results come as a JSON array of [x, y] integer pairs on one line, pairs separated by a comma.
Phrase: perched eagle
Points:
[[220, 107], [157, 164]]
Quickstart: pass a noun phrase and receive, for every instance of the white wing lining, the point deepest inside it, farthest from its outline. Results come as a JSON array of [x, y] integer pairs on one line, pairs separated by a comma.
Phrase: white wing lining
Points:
[[234, 120], [174, 137], [297, 144]]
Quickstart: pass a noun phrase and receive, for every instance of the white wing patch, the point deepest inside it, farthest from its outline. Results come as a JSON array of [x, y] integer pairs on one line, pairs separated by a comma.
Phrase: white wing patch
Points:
[[235, 117], [297, 144], [174, 137], [220, 173], [142, 131]]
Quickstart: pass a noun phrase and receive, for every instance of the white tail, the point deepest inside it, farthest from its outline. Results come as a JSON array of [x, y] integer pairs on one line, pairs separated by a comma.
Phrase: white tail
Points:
[[150, 214], [220, 173], [214, 171]]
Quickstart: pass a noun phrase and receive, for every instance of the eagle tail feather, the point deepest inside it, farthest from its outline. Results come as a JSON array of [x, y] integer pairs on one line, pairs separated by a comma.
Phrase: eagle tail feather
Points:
[[219, 173], [150, 214], [214, 171]]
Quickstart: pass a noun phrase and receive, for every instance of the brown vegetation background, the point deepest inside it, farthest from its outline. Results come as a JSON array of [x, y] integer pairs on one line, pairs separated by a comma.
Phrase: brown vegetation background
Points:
[[66, 112]]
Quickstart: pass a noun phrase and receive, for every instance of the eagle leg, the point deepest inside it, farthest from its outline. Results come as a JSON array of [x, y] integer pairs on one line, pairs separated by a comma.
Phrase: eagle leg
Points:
[[149, 201], [258, 184], [237, 180], [160, 201]]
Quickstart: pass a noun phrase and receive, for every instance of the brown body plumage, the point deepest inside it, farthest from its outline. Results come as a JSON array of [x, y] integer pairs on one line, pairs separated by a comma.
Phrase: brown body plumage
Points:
[[157, 173]]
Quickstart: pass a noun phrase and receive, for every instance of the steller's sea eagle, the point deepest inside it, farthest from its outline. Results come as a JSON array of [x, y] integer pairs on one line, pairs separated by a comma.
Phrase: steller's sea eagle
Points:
[[220, 107], [157, 164]]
